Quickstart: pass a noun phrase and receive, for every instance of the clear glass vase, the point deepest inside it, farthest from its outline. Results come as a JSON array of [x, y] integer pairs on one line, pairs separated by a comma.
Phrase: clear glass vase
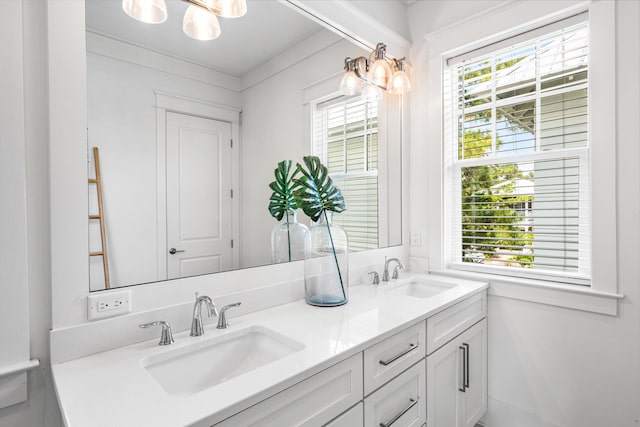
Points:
[[288, 239], [326, 266]]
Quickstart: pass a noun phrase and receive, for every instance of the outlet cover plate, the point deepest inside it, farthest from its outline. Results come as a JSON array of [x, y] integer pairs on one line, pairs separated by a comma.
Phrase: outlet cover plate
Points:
[[108, 304]]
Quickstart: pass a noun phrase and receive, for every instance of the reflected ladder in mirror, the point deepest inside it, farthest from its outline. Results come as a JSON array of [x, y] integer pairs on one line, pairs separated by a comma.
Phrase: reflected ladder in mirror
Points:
[[100, 217]]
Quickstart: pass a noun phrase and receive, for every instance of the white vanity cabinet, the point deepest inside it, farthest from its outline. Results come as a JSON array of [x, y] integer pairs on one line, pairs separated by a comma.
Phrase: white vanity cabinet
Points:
[[457, 380], [432, 373]]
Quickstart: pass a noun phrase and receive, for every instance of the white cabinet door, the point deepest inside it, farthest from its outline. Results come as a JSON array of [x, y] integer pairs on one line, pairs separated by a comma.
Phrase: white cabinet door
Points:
[[400, 402], [457, 380], [473, 402]]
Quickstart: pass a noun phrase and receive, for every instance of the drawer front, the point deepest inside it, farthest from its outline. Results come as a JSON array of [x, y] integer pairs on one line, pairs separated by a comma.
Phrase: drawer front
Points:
[[399, 403], [446, 325], [354, 417], [388, 358], [311, 402]]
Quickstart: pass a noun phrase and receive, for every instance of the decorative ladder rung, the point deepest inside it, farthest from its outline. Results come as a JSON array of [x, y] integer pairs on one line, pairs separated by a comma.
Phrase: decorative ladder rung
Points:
[[100, 216]]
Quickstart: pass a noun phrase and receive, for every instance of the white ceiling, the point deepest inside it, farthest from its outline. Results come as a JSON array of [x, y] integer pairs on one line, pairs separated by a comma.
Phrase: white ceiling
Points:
[[268, 28]]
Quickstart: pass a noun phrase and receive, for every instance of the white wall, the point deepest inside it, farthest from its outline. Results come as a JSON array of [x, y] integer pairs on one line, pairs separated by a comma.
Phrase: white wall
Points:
[[41, 408], [551, 366]]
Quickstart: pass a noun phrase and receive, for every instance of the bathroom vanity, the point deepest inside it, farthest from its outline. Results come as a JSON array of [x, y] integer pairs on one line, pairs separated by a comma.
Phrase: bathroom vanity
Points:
[[409, 353]]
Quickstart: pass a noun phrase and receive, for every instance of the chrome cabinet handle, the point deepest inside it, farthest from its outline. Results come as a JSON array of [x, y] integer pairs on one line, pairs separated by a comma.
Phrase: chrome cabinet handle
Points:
[[465, 367], [174, 251], [412, 403], [387, 362]]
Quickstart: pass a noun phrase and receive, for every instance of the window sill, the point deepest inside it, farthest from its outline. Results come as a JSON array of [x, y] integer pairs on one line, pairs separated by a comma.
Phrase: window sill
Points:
[[539, 291]]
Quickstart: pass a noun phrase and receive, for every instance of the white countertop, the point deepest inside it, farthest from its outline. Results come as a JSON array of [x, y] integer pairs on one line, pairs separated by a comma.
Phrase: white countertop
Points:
[[114, 389]]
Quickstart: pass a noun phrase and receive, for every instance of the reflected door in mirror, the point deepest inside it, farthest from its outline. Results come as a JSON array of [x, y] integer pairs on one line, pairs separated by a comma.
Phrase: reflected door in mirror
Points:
[[198, 196]]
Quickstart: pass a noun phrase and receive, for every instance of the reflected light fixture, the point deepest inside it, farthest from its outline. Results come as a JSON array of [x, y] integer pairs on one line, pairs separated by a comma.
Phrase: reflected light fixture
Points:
[[350, 83], [374, 75], [200, 24], [229, 8], [148, 11], [200, 21]]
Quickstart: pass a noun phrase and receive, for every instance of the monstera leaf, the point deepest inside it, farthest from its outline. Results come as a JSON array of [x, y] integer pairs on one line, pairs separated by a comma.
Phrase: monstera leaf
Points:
[[282, 199], [316, 192]]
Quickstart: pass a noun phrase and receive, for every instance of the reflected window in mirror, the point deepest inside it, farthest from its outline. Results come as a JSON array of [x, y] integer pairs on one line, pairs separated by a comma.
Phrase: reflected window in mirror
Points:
[[345, 137]]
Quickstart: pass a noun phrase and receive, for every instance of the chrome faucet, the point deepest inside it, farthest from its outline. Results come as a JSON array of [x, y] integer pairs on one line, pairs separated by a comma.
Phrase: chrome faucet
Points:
[[385, 273], [222, 318], [196, 324]]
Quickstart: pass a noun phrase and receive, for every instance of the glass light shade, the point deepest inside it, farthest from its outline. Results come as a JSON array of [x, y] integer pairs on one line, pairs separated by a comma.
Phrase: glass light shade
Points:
[[200, 24], [372, 93], [149, 11], [350, 84], [400, 83], [229, 8], [380, 73]]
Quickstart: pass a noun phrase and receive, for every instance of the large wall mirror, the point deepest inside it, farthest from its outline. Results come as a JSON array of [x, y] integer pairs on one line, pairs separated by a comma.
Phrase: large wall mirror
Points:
[[189, 133]]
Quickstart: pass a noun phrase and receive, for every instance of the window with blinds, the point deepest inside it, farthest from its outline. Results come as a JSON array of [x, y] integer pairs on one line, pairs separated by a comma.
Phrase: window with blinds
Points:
[[345, 137], [517, 134]]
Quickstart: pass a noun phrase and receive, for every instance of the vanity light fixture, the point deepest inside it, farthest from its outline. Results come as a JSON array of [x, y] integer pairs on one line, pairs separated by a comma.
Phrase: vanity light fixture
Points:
[[370, 77], [200, 21]]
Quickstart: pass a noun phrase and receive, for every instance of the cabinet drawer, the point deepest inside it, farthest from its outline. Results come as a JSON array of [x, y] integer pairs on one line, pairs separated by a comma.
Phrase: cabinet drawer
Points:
[[354, 417], [312, 402], [399, 403], [388, 358], [446, 325]]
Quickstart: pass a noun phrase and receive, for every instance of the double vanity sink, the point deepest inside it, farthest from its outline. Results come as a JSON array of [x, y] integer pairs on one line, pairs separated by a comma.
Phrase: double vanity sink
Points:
[[207, 379]]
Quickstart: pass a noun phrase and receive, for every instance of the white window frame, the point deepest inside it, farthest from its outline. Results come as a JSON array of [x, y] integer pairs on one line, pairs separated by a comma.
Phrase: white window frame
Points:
[[453, 167], [429, 214]]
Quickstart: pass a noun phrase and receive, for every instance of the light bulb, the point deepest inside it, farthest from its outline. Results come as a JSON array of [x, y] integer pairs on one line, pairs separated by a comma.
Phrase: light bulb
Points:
[[380, 73], [399, 83], [371, 93], [229, 8], [149, 11], [200, 24], [350, 84]]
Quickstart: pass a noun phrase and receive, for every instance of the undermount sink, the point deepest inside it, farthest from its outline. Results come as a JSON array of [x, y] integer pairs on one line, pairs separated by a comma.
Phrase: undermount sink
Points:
[[191, 369], [418, 288]]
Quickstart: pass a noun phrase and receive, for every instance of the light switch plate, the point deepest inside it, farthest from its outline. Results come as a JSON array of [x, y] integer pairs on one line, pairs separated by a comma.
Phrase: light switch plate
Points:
[[108, 304]]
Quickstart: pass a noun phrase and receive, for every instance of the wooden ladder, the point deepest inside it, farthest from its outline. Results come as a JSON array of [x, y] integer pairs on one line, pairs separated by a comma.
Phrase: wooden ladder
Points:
[[100, 217]]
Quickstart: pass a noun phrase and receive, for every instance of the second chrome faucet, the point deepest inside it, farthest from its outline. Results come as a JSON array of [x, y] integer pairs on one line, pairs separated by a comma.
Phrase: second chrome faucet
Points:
[[196, 323], [197, 328]]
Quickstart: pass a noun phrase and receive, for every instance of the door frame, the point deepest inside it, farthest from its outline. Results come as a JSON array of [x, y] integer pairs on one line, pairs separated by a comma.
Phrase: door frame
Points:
[[166, 102]]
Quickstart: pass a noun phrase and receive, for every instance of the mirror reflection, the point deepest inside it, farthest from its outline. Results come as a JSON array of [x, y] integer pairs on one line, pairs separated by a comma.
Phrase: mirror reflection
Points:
[[188, 134]]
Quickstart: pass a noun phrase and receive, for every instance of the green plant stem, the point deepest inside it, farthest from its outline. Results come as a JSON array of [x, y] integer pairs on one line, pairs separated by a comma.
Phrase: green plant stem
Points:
[[288, 236], [335, 257]]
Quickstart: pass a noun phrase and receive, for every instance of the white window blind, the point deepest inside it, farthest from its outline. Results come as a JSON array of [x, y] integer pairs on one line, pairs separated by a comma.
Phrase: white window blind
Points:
[[517, 138], [345, 137]]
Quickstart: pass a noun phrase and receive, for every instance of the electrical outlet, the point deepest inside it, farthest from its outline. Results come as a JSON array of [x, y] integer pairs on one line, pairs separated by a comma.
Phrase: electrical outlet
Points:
[[415, 239], [108, 304]]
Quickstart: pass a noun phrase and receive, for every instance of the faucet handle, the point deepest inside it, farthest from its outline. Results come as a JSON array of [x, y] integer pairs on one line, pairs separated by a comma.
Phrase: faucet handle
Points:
[[376, 277], [222, 318], [166, 337], [395, 274]]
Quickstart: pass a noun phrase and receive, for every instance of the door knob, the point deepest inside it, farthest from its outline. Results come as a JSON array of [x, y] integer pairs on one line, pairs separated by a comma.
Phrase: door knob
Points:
[[174, 251]]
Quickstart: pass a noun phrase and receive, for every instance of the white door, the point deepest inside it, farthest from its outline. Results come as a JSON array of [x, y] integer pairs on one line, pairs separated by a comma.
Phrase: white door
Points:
[[198, 196]]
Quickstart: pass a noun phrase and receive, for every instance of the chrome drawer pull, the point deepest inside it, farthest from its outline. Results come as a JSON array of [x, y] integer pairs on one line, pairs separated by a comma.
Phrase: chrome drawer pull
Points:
[[412, 347], [412, 403]]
